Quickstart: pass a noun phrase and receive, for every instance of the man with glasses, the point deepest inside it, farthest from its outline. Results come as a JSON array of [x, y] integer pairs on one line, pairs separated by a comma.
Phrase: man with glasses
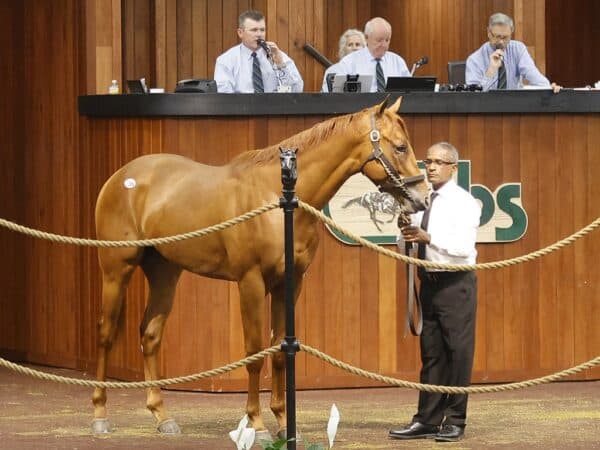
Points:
[[502, 63], [256, 66], [445, 233]]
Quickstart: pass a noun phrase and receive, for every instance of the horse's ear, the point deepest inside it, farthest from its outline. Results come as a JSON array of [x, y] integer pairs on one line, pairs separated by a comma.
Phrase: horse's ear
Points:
[[383, 105], [395, 108]]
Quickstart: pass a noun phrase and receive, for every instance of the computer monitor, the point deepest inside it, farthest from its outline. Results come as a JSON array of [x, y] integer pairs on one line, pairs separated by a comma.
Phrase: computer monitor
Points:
[[352, 83], [410, 84]]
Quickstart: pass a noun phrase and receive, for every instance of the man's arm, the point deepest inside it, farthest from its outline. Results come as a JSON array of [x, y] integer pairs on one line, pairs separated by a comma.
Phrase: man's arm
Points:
[[291, 75], [475, 73], [224, 77], [530, 72]]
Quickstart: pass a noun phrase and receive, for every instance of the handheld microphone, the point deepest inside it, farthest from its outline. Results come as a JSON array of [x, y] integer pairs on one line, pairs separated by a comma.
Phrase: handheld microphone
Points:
[[266, 48], [500, 47]]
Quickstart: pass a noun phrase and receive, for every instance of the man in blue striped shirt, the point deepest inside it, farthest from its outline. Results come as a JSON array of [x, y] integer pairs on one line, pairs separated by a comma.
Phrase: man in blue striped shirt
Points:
[[502, 63]]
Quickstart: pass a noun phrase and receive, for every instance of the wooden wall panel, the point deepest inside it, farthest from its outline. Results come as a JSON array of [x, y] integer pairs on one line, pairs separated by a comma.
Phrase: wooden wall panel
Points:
[[442, 30], [572, 39], [530, 321], [12, 125], [527, 314], [189, 34]]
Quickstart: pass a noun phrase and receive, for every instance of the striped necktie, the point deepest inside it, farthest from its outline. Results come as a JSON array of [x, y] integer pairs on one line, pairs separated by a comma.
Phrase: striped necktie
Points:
[[379, 76], [257, 81], [424, 225], [502, 76]]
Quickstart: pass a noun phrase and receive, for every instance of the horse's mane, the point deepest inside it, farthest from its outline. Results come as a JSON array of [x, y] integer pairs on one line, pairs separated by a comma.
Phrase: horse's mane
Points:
[[302, 141]]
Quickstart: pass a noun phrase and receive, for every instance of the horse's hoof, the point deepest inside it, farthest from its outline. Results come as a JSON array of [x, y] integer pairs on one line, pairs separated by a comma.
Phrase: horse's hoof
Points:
[[282, 434], [100, 426], [168, 426], [262, 436]]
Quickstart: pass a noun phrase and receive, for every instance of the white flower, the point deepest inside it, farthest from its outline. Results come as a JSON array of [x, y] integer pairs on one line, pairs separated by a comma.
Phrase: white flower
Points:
[[334, 419], [243, 437]]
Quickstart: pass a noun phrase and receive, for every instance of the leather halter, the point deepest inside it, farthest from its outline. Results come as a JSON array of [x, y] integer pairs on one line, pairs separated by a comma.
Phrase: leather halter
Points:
[[394, 180]]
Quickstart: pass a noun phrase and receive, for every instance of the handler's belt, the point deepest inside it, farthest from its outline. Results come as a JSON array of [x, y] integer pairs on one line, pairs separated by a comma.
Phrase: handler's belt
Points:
[[440, 277]]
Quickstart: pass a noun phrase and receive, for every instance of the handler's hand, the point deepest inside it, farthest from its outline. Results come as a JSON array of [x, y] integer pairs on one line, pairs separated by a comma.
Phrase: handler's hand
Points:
[[411, 233]]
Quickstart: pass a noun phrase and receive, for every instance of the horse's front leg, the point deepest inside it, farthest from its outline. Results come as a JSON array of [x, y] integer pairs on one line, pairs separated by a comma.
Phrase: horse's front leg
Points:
[[278, 380], [252, 304]]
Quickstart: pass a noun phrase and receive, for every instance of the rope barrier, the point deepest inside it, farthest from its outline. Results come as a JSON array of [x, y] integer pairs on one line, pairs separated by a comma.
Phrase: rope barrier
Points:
[[260, 355], [450, 389], [141, 242], [140, 384], [311, 351], [456, 267]]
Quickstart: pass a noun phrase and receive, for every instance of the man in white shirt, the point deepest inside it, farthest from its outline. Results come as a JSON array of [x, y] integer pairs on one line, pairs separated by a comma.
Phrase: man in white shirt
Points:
[[446, 233], [375, 59], [253, 68]]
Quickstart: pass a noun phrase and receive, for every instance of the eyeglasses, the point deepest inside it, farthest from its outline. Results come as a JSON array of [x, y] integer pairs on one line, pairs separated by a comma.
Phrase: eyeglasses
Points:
[[438, 162]]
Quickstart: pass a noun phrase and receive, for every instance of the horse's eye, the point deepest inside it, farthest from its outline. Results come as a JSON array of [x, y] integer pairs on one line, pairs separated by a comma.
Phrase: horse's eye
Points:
[[401, 148]]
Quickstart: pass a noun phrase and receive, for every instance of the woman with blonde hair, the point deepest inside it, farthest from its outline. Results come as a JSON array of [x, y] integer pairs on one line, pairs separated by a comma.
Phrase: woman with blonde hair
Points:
[[350, 41]]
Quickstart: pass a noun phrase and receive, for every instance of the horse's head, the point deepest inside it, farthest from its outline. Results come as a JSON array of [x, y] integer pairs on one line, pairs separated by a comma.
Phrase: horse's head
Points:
[[389, 160]]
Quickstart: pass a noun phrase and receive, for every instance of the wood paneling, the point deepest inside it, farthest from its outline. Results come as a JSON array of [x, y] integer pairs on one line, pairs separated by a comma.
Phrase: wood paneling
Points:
[[12, 124], [190, 34], [532, 319], [572, 42], [104, 43]]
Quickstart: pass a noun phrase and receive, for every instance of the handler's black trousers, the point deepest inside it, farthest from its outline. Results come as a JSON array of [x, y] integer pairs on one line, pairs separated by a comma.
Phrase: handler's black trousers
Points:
[[449, 301]]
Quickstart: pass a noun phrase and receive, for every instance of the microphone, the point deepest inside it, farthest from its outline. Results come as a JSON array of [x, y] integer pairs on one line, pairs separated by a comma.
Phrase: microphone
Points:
[[418, 63], [500, 47], [266, 48]]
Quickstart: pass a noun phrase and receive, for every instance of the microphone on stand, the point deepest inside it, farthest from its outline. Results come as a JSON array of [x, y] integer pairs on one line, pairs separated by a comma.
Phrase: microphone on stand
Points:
[[418, 63]]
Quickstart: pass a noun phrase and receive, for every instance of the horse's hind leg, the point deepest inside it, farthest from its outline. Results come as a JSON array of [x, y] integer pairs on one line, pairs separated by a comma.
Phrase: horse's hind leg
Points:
[[162, 280], [117, 266]]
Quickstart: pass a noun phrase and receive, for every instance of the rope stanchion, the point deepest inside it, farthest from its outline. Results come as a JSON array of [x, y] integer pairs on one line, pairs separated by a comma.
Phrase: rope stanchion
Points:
[[453, 267], [141, 242]]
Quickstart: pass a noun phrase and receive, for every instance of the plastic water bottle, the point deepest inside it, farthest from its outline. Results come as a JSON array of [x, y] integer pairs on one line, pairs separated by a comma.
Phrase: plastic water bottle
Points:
[[113, 88]]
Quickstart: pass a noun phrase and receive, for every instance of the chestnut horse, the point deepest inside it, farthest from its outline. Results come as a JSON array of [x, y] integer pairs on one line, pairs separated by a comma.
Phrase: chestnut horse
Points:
[[161, 195]]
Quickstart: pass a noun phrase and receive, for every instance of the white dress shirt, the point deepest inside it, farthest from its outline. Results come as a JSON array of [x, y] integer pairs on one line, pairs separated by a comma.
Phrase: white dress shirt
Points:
[[518, 64], [453, 224], [233, 71], [361, 62]]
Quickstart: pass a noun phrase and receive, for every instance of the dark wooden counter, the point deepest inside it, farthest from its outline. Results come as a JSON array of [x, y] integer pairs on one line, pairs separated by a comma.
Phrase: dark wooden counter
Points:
[[168, 105]]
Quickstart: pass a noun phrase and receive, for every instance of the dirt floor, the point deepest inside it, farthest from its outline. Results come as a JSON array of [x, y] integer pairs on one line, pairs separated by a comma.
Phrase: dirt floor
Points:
[[38, 415]]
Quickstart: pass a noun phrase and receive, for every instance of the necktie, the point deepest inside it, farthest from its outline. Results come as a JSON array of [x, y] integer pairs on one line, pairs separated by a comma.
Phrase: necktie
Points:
[[502, 76], [379, 76], [257, 80], [424, 224]]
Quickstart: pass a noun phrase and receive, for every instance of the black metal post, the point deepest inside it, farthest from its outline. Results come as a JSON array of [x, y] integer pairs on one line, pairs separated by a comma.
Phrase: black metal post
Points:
[[290, 344]]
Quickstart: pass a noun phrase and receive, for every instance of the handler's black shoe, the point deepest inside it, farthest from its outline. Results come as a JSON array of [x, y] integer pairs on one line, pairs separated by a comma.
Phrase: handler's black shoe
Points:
[[450, 433], [415, 430]]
